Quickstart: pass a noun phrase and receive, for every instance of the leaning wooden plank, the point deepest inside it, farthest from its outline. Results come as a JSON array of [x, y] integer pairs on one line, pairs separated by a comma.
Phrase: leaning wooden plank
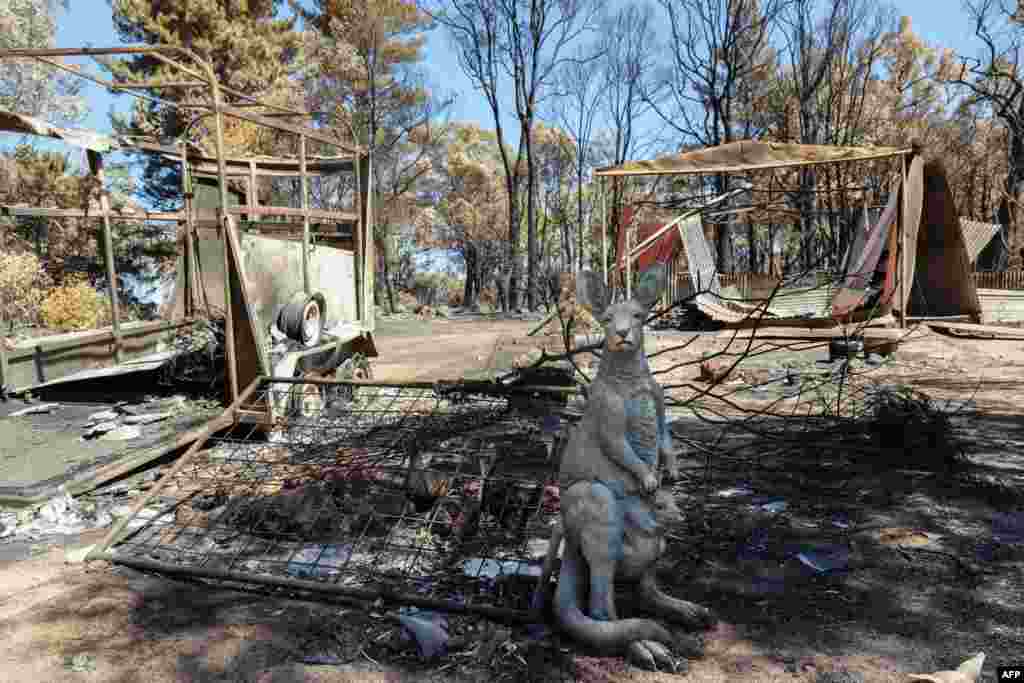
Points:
[[981, 330], [869, 333], [225, 419]]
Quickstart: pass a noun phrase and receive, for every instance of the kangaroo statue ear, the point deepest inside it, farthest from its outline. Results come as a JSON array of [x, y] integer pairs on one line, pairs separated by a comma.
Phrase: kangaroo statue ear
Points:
[[591, 292], [651, 284]]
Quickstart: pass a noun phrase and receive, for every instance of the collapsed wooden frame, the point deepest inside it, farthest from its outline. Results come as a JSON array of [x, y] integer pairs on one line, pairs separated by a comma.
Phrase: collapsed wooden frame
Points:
[[220, 167]]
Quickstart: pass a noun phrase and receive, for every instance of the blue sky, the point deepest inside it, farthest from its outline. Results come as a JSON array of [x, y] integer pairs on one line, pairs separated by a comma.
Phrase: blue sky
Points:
[[940, 22], [89, 21]]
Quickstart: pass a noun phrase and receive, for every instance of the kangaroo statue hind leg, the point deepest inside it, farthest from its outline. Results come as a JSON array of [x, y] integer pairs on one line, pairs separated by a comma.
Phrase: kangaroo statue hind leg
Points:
[[612, 510]]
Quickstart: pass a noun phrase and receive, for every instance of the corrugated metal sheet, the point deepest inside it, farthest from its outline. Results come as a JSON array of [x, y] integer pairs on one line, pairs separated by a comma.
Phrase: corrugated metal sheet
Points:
[[977, 235]]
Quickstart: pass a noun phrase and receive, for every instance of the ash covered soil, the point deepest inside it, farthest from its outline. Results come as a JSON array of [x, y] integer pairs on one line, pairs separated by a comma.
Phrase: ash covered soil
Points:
[[820, 563]]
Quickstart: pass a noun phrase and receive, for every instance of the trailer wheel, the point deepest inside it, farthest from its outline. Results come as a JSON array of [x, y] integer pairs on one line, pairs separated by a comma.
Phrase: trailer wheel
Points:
[[303, 318]]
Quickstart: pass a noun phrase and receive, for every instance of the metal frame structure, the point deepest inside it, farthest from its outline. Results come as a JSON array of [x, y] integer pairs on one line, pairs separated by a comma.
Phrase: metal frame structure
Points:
[[230, 511], [221, 168], [634, 251]]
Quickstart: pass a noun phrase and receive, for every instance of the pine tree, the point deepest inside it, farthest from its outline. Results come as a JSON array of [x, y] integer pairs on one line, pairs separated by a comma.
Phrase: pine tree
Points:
[[365, 80], [251, 50]]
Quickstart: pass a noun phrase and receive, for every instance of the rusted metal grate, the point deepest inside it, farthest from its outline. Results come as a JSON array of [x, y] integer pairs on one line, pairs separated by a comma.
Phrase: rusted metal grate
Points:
[[431, 497]]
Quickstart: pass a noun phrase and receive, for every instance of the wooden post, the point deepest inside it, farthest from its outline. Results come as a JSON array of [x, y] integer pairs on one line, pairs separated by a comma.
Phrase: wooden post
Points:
[[189, 244], [304, 204], [3, 368], [224, 226], [629, 259], [364, 241], [253, 198], [96, 168], [902, 250], [604, 229]]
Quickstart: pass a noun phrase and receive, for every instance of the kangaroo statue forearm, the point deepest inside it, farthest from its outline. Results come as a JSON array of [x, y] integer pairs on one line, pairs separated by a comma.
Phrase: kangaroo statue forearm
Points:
[[612, 511]]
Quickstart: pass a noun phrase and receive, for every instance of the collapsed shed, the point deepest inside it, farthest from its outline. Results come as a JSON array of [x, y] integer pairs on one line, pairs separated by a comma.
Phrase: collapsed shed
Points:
[[928, 268]]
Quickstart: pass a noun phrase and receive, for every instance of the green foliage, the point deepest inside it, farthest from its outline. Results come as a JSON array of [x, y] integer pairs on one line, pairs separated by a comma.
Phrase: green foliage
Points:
[[26, 85], [434, 289], [75, 305], [23, 284], [249, 48]]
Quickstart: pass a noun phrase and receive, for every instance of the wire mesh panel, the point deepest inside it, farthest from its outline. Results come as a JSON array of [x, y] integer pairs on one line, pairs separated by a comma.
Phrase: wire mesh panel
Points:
[[435, 496]]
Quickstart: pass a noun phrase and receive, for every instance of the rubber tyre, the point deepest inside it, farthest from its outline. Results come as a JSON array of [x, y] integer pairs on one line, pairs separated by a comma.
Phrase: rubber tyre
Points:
[[303, 318]]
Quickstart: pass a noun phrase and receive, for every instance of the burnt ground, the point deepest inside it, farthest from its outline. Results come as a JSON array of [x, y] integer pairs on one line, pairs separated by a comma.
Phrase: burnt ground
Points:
[[929, 564]]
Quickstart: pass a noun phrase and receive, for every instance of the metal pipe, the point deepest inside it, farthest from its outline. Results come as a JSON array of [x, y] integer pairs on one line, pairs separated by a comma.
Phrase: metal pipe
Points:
[[369, 261], [304, 205], [96, 169], [71, 69], [145, 85], [89, 51], [156, 52], [357, 239], [191, 281], [223, 420], [367, 594], [225, 226]]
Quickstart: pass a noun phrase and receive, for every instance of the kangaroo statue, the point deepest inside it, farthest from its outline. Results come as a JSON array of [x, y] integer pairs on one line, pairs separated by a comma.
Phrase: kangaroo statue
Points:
[[609, 477]]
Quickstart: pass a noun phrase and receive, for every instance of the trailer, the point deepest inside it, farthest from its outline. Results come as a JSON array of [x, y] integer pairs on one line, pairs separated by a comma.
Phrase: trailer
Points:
[[293, 284]]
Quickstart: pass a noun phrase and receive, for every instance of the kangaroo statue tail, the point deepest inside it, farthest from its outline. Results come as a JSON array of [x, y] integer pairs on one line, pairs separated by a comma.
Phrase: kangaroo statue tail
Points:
[[602, 635]]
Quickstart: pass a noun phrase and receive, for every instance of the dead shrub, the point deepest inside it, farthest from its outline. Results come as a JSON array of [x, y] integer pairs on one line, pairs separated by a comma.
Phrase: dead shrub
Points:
[[75, 305], [912, 429], [23, 285], [198, 360]]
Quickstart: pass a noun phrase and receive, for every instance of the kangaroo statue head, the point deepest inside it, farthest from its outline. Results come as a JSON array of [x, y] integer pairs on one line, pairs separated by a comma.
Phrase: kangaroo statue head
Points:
[[623, 322]]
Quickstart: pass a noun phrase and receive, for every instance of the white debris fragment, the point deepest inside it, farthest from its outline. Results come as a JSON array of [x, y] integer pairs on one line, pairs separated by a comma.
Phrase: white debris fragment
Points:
[[101, 428], [146, 418], [103, 416], [62, 514], [32, 410], [122, 433]]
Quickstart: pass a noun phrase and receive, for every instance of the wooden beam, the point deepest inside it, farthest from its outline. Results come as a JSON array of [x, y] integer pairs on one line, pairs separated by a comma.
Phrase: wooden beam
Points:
[[744, 168], [46, 212], [20, 352], [237, 168], [902, 250], [986, 330], [304, 206], [96, 169], [317, 214]]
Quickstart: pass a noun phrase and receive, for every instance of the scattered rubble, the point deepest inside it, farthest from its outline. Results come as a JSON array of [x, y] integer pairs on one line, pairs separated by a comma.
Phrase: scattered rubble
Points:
[[62, 514], [94, 430], [122, 433]]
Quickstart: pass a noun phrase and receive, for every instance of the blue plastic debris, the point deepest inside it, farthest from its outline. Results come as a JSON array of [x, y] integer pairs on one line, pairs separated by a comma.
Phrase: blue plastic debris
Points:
[[1008, 527], [756, 546], [551, 424], [841, 521], [482, 568], [428, 630], [826, 559], [774, 506], [734, 491], [319, 561]]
